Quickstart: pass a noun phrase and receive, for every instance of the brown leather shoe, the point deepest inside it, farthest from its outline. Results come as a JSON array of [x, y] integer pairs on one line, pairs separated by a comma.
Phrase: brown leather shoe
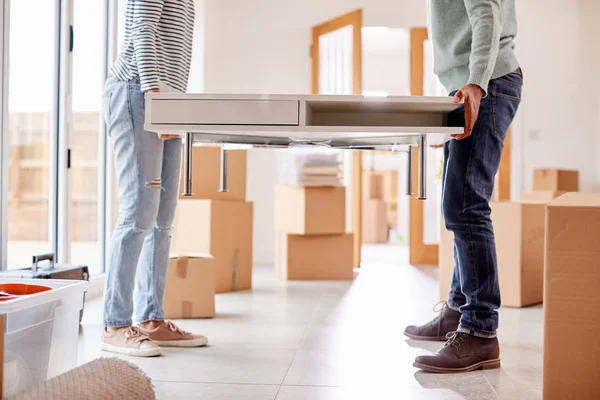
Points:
[[437, 329], [462, 353]]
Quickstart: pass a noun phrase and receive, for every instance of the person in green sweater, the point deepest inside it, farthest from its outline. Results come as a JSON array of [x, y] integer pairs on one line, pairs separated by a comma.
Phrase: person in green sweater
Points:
[[473, 48]]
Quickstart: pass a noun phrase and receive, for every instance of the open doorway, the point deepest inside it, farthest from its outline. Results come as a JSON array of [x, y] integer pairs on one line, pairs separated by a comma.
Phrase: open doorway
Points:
[[387, 71]]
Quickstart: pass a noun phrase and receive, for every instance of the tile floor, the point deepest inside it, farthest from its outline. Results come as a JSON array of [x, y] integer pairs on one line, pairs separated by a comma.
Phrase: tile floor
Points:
[[332, 341]]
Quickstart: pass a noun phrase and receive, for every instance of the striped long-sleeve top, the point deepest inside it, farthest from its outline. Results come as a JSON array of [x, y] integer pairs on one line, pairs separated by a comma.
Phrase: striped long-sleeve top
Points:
[[157, 45]]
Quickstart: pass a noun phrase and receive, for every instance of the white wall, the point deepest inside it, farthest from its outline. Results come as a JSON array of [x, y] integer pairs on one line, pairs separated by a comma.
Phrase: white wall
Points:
[[262, 46], [558, 124], [196, 83], [386, 60]]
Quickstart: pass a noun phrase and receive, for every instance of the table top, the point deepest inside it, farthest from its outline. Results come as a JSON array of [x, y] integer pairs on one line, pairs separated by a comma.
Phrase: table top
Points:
[[284, 120]]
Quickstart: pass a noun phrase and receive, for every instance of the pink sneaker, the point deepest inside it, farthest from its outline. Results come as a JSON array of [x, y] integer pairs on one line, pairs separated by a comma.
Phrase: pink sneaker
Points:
[[167, 334], [129, 341]]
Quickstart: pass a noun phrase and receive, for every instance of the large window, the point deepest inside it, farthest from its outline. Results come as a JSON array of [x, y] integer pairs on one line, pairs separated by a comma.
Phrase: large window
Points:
[[31, 126], [46, 204]]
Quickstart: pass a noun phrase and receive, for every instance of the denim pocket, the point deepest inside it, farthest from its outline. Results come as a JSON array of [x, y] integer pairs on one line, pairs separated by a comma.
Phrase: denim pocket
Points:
[[513, 79], [137, 104], [505, 103], [506, 96]]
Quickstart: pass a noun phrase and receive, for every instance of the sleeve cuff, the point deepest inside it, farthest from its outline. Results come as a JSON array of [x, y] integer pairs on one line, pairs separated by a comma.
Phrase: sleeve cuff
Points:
[[480, 81], [145, 86]]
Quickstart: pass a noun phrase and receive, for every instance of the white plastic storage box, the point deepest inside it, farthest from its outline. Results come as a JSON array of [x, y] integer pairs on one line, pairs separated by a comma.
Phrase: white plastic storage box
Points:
[[40, 335]]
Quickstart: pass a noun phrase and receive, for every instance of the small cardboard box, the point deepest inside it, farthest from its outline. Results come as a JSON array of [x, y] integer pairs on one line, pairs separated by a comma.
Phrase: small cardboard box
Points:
[[190, 288], [571, 298], [556, 180], [541, 196], [372, 185], [374, 222], [206, 174], [314, 257], [310, 210], [222, 229], [519, 232]]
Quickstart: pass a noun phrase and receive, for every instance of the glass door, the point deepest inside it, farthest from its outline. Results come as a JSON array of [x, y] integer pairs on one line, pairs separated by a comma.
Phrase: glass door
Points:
[[52, 147], [32, 107]]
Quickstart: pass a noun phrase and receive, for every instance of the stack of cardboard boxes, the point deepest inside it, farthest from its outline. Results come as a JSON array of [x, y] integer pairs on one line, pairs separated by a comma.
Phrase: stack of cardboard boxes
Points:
[[519, 228], [374, 211], [311, 238], [212, 232]]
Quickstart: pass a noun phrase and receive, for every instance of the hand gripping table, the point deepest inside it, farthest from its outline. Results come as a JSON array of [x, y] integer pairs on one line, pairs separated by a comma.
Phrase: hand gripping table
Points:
[[395, 124]]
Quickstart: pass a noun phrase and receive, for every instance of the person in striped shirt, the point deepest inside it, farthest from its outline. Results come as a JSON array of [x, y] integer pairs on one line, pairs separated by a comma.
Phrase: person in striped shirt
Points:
[[155, 56]]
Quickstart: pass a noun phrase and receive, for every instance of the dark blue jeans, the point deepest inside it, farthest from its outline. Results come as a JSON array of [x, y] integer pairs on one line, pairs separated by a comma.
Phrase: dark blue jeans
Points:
[[470, 166]]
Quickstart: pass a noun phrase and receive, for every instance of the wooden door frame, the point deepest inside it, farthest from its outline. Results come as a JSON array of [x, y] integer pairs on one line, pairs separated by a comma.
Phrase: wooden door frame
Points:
[[421, 253], [354, 19]]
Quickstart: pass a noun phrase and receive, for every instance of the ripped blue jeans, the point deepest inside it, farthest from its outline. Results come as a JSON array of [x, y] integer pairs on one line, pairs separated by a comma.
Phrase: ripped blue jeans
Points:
[[148, 171]]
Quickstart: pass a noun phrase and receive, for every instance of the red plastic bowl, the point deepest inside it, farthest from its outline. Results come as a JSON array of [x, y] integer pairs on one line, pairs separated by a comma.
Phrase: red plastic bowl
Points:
[[12, 291]]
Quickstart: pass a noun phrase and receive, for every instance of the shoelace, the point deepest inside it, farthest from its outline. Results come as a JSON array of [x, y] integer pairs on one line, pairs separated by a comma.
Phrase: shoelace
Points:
[[175, 329], [439, 308], [455, 339], [135, 335]]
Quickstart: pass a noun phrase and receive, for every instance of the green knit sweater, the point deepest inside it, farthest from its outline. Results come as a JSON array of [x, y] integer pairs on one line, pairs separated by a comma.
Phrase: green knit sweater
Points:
[[473, 41]]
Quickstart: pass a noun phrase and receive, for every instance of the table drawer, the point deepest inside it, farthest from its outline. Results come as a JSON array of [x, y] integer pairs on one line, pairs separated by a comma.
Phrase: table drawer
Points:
[[224, 112]]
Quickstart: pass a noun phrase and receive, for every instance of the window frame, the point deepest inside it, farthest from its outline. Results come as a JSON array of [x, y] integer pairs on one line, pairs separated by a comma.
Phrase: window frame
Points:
[[61, 133]]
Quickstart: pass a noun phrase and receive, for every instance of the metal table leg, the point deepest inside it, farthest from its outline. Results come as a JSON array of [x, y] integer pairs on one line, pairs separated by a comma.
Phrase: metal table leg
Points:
[[409, 176], [422, 172], [223, 188], [187, 166]]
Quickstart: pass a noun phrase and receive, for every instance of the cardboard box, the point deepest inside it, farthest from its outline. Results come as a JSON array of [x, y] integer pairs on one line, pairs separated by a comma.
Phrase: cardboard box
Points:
[[310, 210], [372, 185], [556, 180], [314, 257], [445, 260], [190, 288], [375, 227], [222, 229], [519, 231], [392, 214], [390, 186], [392, 219], [571, 298], [541, 196], [206, 174]]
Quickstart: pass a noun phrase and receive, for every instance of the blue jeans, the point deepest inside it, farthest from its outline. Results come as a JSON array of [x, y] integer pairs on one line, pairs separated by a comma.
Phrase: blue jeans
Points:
[[148, 176], [470, 166]]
